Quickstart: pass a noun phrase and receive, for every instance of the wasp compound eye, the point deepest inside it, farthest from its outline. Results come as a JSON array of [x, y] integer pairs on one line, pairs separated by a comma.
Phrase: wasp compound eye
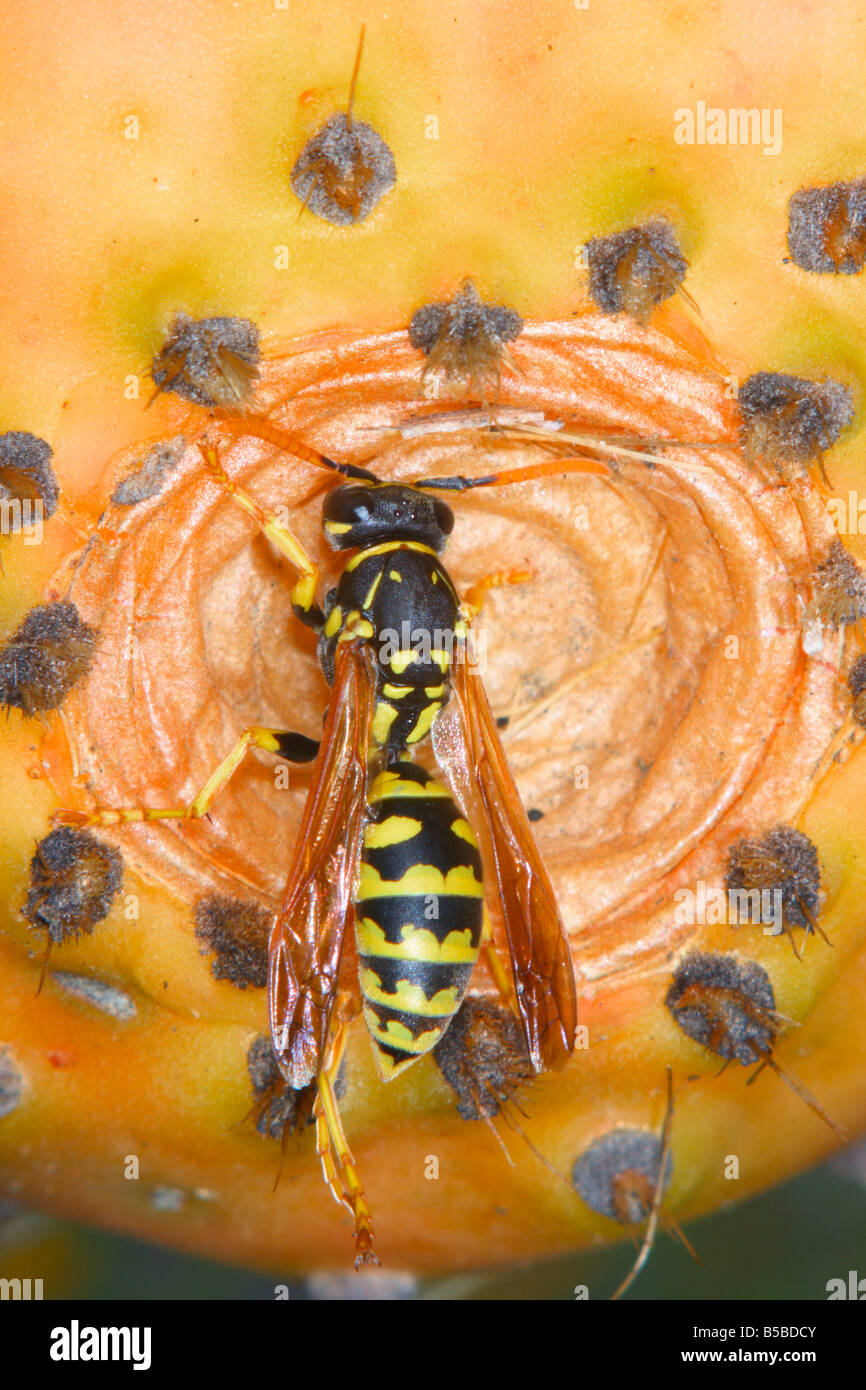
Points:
[[444, 517], [350, 504]]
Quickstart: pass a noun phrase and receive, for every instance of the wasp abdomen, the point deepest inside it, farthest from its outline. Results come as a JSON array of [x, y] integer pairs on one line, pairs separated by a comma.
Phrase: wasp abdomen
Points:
[[419, 913]]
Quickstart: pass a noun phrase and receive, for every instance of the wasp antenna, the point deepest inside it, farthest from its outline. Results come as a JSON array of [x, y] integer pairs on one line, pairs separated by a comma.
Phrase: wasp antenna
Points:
[[259, 428]]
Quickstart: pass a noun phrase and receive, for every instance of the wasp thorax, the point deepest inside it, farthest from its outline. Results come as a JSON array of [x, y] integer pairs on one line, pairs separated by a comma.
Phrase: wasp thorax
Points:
[[359, 514]]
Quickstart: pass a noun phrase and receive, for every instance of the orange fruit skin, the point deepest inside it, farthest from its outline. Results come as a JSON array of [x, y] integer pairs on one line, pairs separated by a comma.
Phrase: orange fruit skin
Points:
[[517, 133]]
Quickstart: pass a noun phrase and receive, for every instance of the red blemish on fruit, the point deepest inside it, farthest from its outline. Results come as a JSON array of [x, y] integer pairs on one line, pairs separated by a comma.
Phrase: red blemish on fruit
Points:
[[62, 1057]]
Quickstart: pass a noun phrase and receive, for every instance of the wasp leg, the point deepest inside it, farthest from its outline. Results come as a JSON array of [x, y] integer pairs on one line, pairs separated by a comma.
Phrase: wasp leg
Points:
[[295, 748], [495, 965], [304, 589], [338, 1165], [475, 596], [554, 468]]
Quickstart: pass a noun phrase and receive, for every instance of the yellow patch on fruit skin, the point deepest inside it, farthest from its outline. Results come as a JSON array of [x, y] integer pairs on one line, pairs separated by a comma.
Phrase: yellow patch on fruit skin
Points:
[[416, 944]]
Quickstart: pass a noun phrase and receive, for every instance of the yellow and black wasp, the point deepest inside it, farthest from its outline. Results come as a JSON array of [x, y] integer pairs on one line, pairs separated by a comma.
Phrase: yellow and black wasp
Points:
[[381, 839]]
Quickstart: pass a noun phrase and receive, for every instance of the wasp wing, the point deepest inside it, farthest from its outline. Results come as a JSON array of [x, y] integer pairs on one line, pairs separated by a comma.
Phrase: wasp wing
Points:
[[307, 939], [473, 756]]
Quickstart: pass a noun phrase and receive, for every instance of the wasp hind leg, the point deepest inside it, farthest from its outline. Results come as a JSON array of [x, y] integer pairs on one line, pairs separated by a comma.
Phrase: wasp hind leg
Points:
[[496, 966], [338, 1165], [295, 748]]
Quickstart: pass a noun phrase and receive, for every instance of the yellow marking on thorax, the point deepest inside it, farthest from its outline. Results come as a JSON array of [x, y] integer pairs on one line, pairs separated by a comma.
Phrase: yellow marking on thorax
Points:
[[397, 692], [387, 548], [400, 660], [334, 621], [407, 656], [371, 592], [355, 626], [424, 721], [417, 944], [380, 725], [396, 830], [337, 528], [396, 576]]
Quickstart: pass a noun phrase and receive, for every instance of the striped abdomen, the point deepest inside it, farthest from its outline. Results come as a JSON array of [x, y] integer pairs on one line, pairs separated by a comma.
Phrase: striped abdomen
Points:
[[419, 913]]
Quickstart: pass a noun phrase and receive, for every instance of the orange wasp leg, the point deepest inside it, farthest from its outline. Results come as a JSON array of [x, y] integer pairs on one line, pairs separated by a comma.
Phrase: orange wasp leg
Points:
[[496, 966], [475, 595], [294, 747], [338, 1165]]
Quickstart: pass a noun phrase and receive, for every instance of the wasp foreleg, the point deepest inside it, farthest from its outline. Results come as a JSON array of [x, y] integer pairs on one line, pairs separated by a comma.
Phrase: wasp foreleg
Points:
[[304, 589]]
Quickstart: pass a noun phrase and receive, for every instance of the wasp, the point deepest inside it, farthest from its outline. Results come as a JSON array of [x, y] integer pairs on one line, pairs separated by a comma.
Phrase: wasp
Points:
[[383, 842]]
